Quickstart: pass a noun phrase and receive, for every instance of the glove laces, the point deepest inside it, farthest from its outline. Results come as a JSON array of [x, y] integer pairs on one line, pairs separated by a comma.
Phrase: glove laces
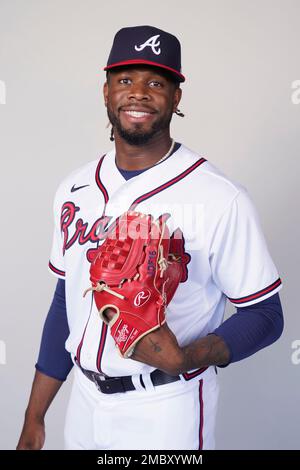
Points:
[[162, 262], [100, 286]]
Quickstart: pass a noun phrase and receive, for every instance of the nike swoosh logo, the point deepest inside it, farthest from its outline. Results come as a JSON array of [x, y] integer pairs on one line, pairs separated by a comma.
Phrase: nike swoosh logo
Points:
[[75, 188]]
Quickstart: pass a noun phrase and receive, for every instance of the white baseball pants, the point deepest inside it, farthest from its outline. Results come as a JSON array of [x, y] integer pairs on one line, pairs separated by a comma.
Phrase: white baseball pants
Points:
[[179, 416]]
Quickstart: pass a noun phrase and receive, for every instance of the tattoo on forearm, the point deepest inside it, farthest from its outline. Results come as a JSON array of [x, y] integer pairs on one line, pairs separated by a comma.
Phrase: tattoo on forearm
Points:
[[207, 351], [155, 346]]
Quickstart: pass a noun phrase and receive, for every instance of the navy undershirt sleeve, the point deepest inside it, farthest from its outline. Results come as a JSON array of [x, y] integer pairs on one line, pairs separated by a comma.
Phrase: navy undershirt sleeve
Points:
[[53, 359], [252, 328]]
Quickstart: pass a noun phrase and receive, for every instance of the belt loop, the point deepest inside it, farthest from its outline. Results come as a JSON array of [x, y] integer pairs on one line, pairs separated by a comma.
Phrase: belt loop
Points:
[[148, 382], [137, 383]]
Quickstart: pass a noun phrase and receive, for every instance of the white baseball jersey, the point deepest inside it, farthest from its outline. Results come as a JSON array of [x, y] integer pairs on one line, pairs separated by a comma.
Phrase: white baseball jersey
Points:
[[225, 252]]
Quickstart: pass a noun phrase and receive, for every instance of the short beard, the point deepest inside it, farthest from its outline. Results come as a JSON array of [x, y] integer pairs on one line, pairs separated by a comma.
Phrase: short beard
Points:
[[137, 137]]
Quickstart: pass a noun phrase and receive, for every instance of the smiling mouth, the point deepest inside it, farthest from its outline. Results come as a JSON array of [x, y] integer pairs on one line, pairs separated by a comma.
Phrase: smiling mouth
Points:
[[137, 114]]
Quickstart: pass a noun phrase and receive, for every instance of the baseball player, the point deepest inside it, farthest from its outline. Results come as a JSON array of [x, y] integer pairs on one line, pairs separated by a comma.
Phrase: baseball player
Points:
[[162, 391]]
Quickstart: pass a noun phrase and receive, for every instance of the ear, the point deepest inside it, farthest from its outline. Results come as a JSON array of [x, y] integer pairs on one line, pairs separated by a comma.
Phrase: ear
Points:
[[177, 98], [105, 93]]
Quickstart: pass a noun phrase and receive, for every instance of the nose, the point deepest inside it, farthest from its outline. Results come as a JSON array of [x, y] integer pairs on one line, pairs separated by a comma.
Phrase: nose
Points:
[[138, 91]]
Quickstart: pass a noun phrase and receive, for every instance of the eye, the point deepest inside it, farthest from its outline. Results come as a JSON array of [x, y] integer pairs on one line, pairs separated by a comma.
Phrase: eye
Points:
[[155, 84], [124, 81]]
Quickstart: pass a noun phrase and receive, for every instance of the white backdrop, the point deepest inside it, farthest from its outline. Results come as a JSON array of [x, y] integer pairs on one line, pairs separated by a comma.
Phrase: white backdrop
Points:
[[241, 62]]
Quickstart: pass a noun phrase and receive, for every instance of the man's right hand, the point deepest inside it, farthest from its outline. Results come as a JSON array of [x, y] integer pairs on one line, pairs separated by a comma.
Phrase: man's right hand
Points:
[[32, 435], [44, 389]]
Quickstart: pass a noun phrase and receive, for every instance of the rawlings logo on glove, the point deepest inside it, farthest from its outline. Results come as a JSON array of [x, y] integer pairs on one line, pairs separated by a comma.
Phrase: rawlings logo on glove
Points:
[[135, 273], [141, 298]]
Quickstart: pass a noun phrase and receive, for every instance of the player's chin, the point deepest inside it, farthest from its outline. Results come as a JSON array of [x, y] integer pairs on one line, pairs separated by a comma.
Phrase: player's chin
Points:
[[137, 135], [137, 128]]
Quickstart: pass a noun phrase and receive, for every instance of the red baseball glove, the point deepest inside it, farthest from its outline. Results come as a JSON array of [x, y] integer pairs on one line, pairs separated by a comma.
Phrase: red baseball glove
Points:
[[134, 274]]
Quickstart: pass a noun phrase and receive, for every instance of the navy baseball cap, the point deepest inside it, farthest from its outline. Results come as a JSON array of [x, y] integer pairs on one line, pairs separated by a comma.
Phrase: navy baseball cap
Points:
[[146, 45]]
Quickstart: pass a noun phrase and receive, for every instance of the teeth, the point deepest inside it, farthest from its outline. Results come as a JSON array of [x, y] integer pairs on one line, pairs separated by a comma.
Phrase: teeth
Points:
[[136, 114]]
